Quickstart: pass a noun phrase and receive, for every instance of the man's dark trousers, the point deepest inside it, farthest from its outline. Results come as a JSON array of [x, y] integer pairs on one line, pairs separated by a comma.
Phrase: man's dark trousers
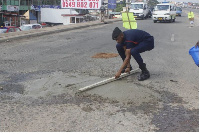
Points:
[[146, 45]]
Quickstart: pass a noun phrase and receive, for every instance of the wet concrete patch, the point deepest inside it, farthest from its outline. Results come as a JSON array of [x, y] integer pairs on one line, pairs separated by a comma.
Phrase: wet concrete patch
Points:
[[125, 92], [56, 84], [65, 98]]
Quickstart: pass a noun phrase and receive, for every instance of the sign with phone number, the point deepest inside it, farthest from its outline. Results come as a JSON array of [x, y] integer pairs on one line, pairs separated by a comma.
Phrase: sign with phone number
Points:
[[81, 4]]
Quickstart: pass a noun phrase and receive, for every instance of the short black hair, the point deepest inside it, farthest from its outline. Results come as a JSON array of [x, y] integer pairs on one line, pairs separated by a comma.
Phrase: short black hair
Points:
[[116, 33]]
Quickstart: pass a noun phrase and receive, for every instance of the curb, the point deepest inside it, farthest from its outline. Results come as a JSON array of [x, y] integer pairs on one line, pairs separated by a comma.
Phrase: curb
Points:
[[51, 30]]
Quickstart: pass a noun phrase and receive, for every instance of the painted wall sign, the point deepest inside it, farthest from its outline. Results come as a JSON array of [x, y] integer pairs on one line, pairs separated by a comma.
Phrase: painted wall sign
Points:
[[81, 4], [12, 8]]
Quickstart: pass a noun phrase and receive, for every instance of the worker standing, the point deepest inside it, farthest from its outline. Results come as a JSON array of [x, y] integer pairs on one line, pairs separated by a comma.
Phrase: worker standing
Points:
[[133, 42], [191, 18]]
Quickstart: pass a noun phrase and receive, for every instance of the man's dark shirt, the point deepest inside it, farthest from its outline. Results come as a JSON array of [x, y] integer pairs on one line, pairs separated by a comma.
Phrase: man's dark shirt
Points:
[[134, 36]]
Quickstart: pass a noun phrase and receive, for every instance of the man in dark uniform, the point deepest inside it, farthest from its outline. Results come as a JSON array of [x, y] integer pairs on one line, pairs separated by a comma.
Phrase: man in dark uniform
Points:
[[132, 42]]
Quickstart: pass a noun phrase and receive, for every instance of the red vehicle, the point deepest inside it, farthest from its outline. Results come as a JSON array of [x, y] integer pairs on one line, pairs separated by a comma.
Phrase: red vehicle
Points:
[[9, 29]]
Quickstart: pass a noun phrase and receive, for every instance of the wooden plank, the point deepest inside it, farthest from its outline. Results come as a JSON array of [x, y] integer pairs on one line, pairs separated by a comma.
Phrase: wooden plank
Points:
[[107, 80]]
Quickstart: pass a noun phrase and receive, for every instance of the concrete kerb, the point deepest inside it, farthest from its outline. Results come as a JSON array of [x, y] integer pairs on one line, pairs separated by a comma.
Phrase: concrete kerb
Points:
[[51, 30]]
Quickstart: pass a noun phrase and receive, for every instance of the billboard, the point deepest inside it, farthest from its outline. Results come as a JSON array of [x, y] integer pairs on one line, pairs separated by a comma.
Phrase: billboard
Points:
[[111, 4], [38, 7], [12, 8], [81, 4]]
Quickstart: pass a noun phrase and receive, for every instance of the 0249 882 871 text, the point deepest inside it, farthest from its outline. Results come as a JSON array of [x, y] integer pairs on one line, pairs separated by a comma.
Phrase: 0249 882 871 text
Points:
[[81, 4]]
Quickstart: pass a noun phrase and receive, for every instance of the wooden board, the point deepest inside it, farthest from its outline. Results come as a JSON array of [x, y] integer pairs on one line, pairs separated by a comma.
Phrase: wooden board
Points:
[[107, 80]]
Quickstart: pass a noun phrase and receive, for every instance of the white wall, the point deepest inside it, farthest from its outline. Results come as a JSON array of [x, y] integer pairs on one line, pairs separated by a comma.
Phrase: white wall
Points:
[[55, 15], [66, 20]]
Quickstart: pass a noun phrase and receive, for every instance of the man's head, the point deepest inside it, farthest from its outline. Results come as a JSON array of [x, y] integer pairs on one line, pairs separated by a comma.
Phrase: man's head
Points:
[[117, 35]]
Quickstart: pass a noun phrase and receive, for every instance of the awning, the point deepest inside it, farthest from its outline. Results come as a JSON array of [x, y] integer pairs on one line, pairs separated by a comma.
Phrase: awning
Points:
[[73, 15], [29, 16]]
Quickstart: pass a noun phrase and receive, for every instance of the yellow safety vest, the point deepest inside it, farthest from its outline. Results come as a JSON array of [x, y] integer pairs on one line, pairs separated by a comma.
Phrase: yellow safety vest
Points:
[[190, 15]]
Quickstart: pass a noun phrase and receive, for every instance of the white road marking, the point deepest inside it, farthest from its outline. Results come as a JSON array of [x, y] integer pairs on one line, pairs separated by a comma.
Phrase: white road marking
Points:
[[172, 37]]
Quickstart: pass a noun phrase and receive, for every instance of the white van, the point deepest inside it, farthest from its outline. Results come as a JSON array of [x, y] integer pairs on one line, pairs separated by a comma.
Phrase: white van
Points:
[[139, 9], [164, 12]]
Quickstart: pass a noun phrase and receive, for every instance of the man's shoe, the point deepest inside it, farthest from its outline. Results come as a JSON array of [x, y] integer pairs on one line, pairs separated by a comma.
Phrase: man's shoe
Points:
[[144, 75]]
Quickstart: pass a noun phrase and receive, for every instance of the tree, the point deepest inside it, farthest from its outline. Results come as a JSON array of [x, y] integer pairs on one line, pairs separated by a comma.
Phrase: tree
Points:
[[119, 6], [152, 3]]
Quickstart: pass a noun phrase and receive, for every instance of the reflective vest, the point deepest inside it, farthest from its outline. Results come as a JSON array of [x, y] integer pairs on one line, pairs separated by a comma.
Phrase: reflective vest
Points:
[[190, 15]]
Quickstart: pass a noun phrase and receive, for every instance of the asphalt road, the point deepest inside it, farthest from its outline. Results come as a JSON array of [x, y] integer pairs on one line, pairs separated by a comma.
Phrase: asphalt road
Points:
[[41, 76]]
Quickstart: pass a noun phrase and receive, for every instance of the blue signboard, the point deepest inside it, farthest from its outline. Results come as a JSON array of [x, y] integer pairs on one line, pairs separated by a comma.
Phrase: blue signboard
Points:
[[111, 4], [38, 7]]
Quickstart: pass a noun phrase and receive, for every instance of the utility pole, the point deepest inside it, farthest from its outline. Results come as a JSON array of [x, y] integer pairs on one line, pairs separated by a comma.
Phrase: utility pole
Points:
[[19, 18], [1, 9]]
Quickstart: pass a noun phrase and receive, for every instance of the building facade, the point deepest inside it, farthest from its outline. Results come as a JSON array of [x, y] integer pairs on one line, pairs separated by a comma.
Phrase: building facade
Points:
[[11, 11]]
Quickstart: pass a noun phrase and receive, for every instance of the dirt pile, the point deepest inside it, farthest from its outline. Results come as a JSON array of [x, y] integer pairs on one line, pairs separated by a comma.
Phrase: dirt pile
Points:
[[105, 55]]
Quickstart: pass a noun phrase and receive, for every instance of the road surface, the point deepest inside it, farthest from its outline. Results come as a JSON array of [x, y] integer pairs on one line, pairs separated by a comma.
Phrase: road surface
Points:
[[41, 76]]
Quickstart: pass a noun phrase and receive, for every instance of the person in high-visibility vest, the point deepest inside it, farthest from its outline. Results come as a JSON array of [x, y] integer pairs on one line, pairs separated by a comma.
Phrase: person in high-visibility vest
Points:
[[191, 17]]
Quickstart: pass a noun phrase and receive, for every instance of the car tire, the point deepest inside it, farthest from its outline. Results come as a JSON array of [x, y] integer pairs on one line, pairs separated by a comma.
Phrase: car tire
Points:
[[142, 17], [155, 21]]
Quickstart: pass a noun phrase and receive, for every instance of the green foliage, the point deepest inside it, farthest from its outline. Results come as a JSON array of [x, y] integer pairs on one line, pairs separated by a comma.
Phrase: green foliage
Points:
[[119, 6], [152, 3]]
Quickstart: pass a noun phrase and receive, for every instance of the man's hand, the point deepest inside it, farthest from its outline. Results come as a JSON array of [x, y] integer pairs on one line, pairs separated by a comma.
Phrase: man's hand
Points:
[[125, 63], [197, 44], [117, 75], [127, 70]]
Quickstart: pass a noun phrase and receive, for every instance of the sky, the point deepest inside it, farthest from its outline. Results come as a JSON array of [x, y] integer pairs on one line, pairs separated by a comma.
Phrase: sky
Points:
[[193, 1]]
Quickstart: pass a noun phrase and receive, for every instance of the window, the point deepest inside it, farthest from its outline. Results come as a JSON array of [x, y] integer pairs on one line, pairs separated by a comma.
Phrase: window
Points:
[[137, 6], [178, 9], [3, 30], [17, 29], [36, 27], [11, 30], [23, 2], [72, 20], [16, 3], [6, 2], [58, 2], [77, 20], [37, 2], [162, 7]]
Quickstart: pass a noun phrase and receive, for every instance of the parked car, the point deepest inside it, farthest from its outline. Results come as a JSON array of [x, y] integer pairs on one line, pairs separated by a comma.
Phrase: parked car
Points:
[[9, 29], [178, 11], [27, 27]]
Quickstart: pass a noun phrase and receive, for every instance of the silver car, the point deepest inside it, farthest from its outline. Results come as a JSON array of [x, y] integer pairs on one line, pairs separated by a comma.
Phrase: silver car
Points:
[[27, 27]]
